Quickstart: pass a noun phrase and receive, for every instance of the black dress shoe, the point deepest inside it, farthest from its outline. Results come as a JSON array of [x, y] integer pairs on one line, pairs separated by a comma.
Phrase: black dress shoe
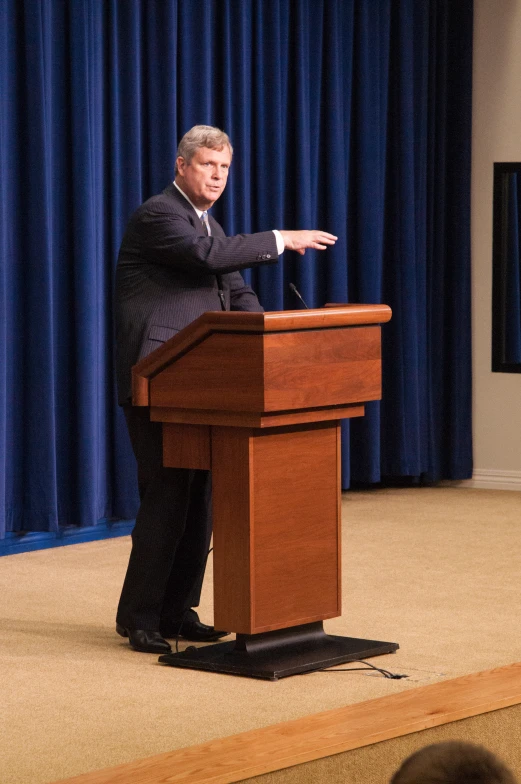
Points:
[[191, 629], [144, 641]]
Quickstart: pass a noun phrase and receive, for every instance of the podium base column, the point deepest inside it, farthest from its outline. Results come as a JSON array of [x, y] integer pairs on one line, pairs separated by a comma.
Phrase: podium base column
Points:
[[275, 655]]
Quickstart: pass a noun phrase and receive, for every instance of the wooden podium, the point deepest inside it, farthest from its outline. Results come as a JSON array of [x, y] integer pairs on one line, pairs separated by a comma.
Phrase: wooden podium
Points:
[[258, 398]]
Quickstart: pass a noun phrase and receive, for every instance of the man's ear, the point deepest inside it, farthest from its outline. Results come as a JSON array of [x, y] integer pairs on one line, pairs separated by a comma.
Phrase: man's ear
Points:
[[180, 164]]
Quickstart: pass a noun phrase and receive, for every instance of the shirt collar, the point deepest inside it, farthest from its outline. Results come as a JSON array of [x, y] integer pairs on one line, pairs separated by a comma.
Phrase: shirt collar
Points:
[[199, 212]]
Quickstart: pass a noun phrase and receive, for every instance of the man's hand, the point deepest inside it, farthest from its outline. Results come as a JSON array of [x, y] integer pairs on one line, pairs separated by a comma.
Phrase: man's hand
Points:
[[300, 240]]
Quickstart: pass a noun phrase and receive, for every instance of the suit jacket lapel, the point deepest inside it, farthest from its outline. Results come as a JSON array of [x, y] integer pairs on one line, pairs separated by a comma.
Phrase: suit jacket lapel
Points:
[[184, 205]]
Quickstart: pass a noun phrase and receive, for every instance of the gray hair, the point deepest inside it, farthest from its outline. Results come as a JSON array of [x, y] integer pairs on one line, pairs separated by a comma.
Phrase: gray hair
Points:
[[202, 136]]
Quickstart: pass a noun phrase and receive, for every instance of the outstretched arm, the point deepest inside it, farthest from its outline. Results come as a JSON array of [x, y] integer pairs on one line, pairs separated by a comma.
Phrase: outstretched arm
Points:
[[301, 240]]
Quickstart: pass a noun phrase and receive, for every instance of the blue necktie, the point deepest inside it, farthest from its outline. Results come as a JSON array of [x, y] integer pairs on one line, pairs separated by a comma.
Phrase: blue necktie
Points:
[[206, 223]]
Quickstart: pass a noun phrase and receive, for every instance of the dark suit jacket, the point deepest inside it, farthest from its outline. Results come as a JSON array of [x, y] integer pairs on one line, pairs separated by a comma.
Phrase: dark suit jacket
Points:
[[167, 276]]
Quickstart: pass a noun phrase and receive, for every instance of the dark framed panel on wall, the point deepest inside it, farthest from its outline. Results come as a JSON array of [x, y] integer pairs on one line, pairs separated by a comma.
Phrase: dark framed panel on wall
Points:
[[506, 269]]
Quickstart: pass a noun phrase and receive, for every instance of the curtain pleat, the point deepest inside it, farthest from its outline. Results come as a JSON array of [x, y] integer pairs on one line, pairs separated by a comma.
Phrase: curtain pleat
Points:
[[346, 115]]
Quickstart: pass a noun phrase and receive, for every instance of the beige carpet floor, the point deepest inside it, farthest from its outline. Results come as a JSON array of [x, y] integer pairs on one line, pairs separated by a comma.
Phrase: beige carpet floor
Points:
[[435, 569]]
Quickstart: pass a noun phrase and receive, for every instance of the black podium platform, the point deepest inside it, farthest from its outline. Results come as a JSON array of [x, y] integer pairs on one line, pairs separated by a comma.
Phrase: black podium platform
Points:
[[275, 655]]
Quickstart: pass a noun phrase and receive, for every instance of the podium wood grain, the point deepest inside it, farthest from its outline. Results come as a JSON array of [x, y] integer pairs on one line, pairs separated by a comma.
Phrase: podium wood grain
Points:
[[277, 526], [186, 446], [258, 398], [274, 372], [153, 365]]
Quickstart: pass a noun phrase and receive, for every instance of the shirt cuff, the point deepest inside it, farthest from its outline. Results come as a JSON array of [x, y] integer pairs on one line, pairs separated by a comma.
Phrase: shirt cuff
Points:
[[280, 241]]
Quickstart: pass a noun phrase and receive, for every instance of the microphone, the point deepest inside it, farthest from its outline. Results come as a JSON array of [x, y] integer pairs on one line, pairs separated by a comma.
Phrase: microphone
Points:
[[296, 292]]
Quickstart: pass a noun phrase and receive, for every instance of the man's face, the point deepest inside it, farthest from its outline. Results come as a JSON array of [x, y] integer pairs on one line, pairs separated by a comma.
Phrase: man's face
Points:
[[204, 178]]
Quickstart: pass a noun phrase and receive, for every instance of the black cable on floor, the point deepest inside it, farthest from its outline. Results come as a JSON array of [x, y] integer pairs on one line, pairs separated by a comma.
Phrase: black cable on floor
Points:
[[368, 666]]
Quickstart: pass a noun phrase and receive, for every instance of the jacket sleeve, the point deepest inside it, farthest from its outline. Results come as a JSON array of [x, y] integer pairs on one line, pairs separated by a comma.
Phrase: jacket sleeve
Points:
[[242, 297], [170, 238]]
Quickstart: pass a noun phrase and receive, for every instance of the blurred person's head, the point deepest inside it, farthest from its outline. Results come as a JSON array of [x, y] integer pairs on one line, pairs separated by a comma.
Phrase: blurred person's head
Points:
[[453, 762]]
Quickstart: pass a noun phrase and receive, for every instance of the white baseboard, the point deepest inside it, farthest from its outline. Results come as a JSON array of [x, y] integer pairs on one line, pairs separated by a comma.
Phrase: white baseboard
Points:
[[491, 479]]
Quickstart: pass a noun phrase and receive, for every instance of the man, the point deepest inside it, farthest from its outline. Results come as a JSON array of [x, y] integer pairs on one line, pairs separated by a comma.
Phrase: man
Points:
[[176, 263], [453, 762]]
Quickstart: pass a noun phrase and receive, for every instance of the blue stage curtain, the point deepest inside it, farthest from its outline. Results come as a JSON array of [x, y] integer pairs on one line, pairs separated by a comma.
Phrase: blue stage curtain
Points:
[[348, 115]]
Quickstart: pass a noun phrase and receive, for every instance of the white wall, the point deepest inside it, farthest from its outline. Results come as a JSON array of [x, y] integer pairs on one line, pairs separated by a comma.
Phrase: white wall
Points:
[[496, 136]]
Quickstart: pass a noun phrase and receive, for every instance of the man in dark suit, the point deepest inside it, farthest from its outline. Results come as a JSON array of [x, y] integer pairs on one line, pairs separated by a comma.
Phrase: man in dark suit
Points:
[[176, 263]]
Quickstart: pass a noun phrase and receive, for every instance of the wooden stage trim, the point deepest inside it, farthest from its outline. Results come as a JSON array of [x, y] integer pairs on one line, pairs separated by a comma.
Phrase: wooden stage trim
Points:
[[279, 746]]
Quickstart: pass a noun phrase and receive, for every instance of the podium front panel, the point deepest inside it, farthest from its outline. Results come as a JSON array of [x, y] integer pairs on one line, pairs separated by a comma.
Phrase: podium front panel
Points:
[[280, 371], [222, 372], [322, 367], [276, 526]]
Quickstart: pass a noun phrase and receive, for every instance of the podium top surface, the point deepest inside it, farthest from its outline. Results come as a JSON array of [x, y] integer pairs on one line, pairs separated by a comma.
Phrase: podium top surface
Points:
[[236, 322]]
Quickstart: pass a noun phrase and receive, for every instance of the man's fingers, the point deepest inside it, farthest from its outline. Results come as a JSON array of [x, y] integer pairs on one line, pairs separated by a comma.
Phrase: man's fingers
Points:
[[322, 239], [300, 240], [322, 244]]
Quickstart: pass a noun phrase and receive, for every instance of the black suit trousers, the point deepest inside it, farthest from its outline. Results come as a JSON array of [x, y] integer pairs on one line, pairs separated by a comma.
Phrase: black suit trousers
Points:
[[171, 536]]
